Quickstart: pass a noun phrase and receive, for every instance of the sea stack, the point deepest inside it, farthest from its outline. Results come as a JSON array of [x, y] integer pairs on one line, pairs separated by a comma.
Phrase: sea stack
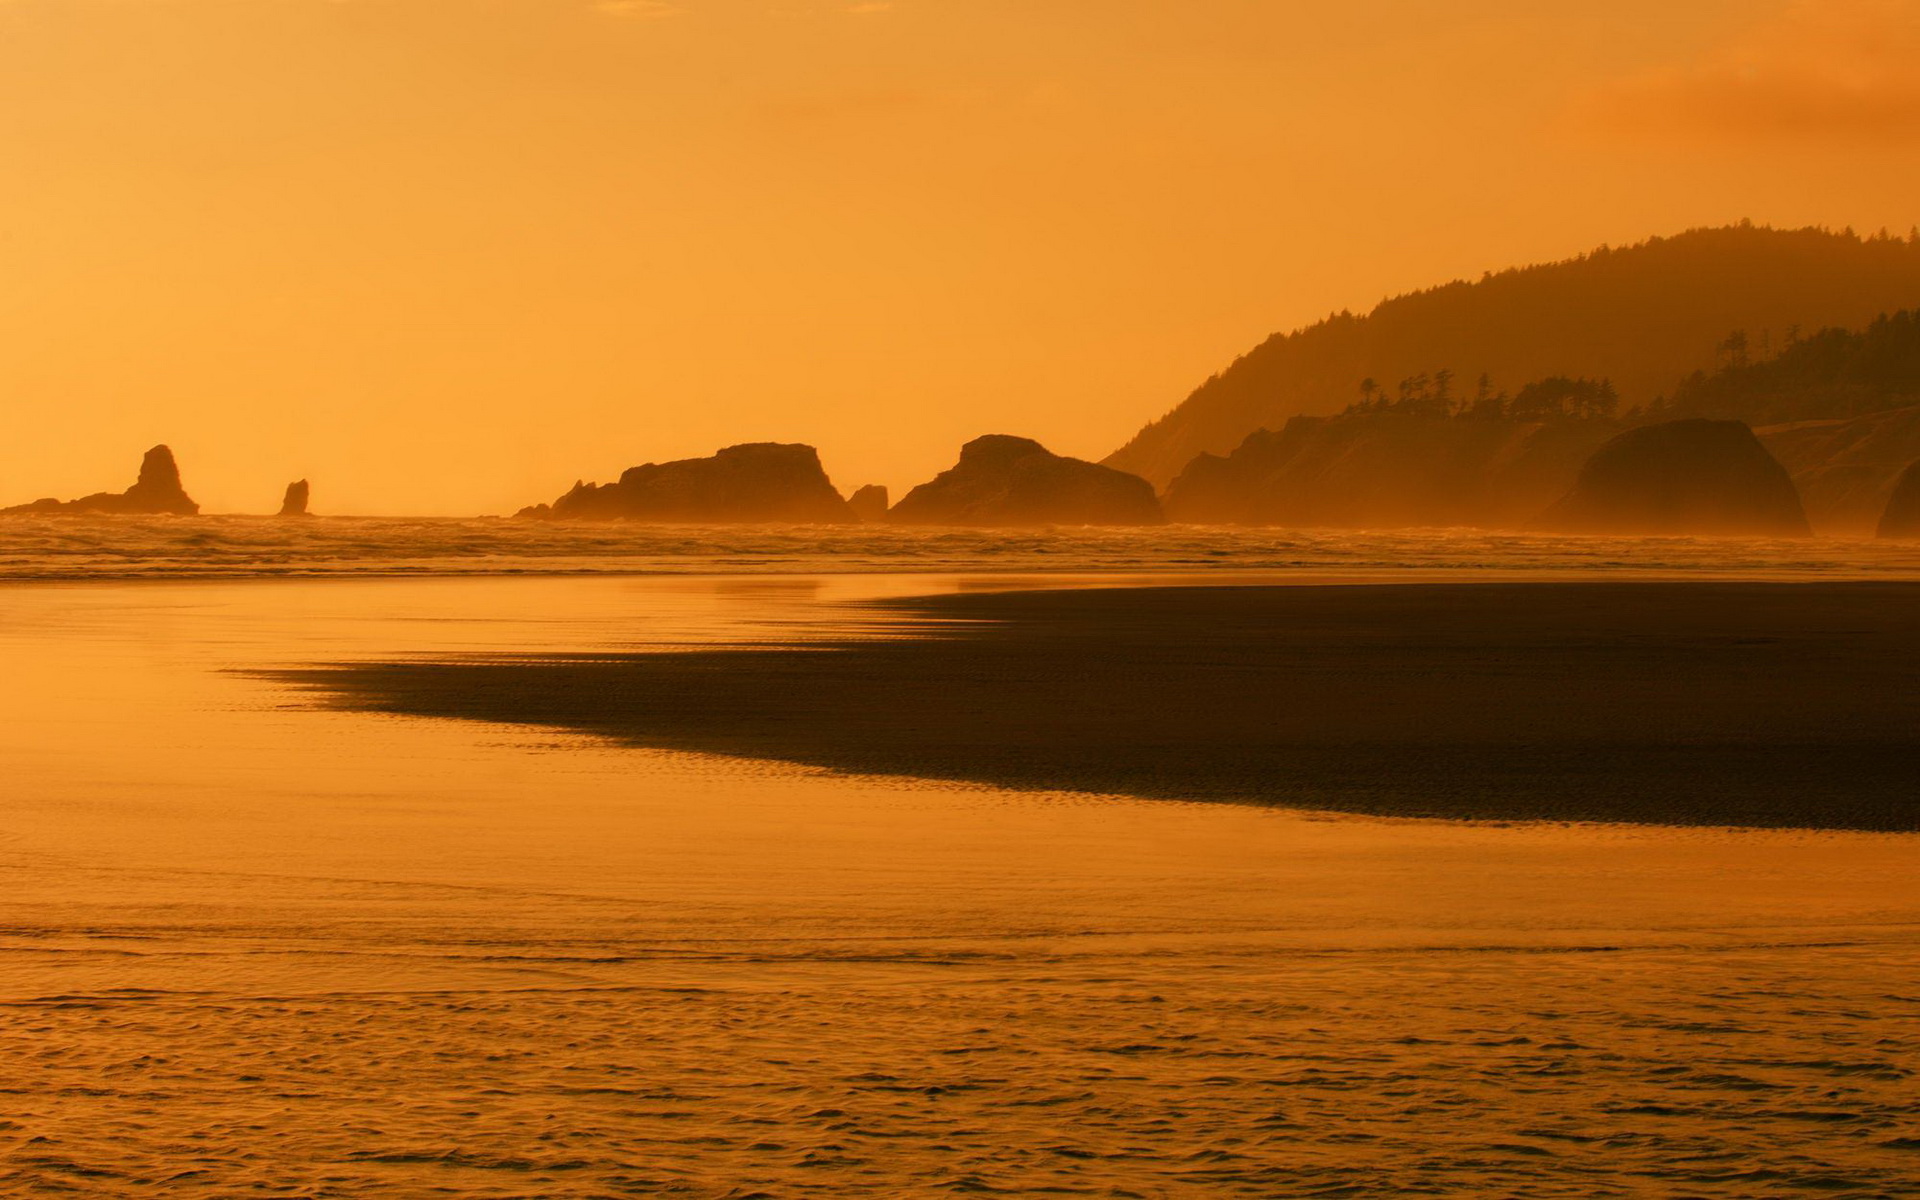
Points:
[[157, 491], [1682, 477], [295, 502], [869, 503], [1902, 516], [757, 482], [1004, 480]]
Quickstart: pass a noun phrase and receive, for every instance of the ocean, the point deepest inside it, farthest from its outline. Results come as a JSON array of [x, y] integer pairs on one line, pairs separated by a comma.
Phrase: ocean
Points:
[[100, 548]]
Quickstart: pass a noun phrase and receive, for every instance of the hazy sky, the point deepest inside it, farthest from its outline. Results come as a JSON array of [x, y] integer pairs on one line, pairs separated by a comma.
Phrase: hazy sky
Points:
[[449, 255]]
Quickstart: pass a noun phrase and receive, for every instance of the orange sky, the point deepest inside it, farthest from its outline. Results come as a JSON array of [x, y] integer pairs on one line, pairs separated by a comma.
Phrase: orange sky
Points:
[[448, 255]]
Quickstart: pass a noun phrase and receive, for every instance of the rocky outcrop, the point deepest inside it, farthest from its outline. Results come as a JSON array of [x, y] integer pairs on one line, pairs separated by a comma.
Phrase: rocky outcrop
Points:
[[869, 503], [1682, 477], [156, 492], [158, 488], [1388, 470], [756, 482], [1003, 480], [1845, 469], [295, 502], [1902, 516]]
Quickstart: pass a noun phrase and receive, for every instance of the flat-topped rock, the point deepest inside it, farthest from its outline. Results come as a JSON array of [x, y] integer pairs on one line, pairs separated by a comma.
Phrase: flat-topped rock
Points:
[[157, 491], [1005, 480], [755, 482], [1902, 516], [869, 503], [1681, 477]]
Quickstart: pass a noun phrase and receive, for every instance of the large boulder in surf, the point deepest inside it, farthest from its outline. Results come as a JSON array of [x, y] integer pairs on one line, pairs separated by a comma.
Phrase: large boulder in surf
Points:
[[157, 491], [869, 503], [294, 503], [756, 482], [1003, 480], [1902, 517], [1682, 477]]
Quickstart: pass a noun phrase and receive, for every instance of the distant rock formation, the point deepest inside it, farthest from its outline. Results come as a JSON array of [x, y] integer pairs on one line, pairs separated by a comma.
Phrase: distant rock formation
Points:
[[295, 503], [756, 482], [869, 503], [1693, 476], [157, 491], [1902, 518], [1002, 480], [1388, 470]]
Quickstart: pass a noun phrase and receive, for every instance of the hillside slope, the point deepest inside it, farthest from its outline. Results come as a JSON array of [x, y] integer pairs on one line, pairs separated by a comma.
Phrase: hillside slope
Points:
[[1645, 317], [1846, 469], [1389, 470]]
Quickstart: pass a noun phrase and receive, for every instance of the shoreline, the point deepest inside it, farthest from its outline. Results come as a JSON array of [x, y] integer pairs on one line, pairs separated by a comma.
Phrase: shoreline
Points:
[[75, 550], [1779, 705]]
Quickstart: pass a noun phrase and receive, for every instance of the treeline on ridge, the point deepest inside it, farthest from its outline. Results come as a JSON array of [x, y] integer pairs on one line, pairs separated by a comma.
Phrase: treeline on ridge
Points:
[[1834, 373], [1431, 395]]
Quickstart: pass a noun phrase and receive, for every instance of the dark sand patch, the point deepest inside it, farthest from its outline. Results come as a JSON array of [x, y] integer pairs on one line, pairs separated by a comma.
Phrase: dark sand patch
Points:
[[1678, 703]]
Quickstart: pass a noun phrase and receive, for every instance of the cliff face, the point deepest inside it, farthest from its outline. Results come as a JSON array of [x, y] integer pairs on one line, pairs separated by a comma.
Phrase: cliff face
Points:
[[157, 491], [1643, 316], [1388, 470], [1003, 480], [1902, 516], [1845, 469], [756, 482], [1682, 477]]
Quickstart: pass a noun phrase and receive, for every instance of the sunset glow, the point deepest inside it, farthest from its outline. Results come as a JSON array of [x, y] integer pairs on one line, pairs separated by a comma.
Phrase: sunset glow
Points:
[[446, 256], [879, 599]]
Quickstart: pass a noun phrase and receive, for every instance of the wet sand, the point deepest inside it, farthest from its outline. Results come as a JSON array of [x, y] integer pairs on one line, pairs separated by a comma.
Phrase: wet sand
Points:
[[250, 947], [1703, 703]]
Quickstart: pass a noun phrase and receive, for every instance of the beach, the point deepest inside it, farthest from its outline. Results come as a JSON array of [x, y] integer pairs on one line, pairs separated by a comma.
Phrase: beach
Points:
[[276, 944]]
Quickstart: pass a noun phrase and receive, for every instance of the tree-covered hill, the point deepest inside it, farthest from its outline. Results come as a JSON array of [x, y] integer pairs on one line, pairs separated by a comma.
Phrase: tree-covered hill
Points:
[[1643, 317], [1834, 373]]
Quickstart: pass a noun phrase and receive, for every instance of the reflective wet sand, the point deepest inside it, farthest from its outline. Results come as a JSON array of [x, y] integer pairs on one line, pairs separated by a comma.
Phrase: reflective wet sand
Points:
[[252, 947], [1754, 704]]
